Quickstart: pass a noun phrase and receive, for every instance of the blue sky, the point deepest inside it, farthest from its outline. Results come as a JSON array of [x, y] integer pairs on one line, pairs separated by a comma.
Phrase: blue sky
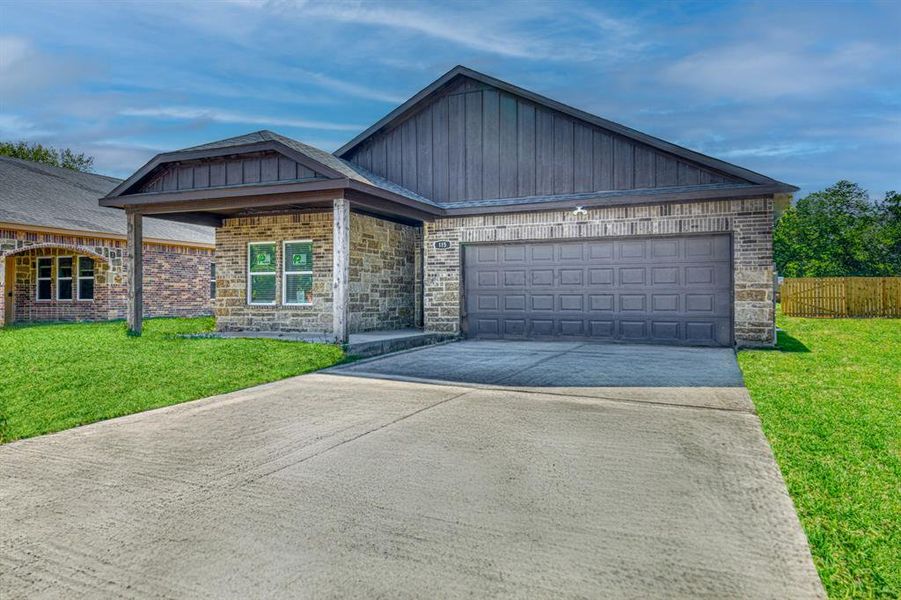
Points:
[[808, 93]]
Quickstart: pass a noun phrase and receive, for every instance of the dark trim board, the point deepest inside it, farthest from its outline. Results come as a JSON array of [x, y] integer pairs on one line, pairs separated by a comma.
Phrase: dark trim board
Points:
[[194, 218], [223, 194], [217, 206], [386, 203], [205, 201], [601, 200], [384, 209]]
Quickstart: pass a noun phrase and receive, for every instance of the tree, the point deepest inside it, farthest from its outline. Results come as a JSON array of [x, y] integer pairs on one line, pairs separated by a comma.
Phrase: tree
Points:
[[890, 231], [839, 232], [49, 155]]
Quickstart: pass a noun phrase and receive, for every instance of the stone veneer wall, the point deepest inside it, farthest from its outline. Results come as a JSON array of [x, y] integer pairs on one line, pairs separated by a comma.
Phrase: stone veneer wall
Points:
[[750, 222], [176, 278], [382, 274]]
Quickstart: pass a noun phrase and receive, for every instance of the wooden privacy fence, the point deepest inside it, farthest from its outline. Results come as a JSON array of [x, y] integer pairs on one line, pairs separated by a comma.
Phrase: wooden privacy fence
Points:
[[841, 297]]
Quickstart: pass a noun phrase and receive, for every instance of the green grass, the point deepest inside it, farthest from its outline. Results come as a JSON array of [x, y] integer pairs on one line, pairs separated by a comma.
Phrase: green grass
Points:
[[830, 401], [53, 377]]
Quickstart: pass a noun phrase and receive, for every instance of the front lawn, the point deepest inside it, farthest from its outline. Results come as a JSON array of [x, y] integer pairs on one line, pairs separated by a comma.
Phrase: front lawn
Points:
[[830, 402], [53, 377]]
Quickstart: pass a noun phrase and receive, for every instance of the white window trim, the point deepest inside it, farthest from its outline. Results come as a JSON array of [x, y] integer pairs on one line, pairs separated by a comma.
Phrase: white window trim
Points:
[[79, 278], [38, 279], [213, 287], [70, 279], [286, 272], [275, 273]]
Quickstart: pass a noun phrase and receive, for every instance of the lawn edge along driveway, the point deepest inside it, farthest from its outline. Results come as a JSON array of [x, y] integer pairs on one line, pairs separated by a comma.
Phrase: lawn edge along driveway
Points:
[[57, 376], [829, 401]]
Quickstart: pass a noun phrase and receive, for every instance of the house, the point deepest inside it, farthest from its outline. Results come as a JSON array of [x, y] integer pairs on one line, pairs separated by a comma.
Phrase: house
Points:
[[62, 257], [480, 208]]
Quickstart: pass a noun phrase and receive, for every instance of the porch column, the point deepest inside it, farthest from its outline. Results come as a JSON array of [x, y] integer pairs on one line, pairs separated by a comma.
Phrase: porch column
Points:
[[135, 270], [340, 268]]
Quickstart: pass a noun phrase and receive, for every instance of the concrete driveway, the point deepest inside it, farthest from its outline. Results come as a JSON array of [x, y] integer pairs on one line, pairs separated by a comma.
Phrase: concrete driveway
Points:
[[337, 485]]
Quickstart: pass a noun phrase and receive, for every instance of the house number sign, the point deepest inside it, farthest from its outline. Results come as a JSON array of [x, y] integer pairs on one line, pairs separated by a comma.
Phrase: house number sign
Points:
[[442, 245]]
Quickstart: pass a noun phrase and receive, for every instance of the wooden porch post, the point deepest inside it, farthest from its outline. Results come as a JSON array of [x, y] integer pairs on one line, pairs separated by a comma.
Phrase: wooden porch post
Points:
[[135, 271], [340, 268]]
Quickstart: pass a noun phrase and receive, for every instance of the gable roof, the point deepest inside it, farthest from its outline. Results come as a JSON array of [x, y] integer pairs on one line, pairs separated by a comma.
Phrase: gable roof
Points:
[[38, 195], [452, 77], [466, 144], [323, 164]]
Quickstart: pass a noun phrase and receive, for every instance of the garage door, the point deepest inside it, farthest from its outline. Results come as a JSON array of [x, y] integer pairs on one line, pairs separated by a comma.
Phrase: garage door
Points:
[[668, 290]]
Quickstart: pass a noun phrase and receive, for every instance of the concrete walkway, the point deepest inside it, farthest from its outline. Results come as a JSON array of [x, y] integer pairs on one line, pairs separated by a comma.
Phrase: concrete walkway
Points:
[[332, 485], [370, 343]]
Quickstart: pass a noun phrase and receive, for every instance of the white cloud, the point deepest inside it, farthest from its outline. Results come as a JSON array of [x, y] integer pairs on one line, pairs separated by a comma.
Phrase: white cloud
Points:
[[771, 68], [25, 70], [506, 30], [119, 159], [16, 127], [351, 89], [469, 32], [13, 50], [189, 113], [777, 150]]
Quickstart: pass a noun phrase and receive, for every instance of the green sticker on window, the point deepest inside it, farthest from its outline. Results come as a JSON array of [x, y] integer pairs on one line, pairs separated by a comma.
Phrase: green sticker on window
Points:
[[298, 256], [262, 258]]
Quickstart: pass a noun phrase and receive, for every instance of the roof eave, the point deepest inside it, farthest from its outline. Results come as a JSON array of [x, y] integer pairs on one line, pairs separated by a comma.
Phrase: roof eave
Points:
[[225, 197], [393, 197], [224, 193], [107, 235], [600, 200]]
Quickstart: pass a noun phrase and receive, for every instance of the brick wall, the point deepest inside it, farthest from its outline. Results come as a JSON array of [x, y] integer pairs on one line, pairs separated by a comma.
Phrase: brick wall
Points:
[[749, 221], [382, 273], [176, 278], [176, 283], [231, 308]]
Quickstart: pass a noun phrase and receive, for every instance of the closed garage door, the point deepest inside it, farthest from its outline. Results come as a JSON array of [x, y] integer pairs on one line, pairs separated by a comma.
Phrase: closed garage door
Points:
[[669, 290]]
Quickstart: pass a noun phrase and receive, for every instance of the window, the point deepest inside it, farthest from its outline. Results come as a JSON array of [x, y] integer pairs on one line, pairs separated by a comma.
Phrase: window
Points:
[[261, 272], [45, 277], [297, 286], [85, 278], [212, 280], [63, 277]]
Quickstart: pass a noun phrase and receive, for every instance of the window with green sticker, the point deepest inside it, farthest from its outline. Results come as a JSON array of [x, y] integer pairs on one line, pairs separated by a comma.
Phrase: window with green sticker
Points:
[[262, 257], [297, 285], [261, 272]]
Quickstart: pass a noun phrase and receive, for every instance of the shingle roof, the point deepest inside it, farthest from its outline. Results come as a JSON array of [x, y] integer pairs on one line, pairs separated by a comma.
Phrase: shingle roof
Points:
[[41, 195], [339, 165]]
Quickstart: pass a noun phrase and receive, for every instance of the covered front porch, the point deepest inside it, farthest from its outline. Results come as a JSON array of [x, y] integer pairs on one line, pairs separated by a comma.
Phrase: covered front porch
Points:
[[305, 244]]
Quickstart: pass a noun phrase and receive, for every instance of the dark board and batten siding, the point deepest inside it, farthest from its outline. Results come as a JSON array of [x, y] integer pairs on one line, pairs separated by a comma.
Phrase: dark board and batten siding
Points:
[[475, 141], [239, 170]]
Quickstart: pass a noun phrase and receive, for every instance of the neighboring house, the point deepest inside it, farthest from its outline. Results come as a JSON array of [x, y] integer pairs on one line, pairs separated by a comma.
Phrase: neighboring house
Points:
[[62, 257], [481, 208]]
